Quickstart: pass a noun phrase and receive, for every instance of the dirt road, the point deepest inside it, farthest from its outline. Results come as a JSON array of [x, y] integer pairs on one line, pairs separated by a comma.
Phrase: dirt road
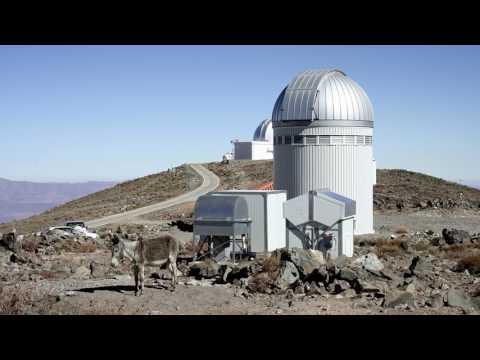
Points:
[[210, 183]]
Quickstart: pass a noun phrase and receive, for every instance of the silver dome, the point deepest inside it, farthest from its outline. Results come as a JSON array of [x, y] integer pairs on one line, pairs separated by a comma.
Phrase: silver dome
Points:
[[264, 131], [325, 97]]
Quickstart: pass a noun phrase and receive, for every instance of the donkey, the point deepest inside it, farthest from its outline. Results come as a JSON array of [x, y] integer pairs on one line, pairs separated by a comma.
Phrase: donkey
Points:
[[150, 252]]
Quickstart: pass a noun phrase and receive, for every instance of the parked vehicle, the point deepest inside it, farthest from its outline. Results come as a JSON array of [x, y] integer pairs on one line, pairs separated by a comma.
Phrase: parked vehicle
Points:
[[75, 223]]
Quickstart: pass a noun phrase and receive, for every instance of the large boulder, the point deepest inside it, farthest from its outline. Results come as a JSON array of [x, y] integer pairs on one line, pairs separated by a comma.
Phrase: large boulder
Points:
[[457, 298], [288, 275], [306, 261], [369, 262], [454, 236], [420, 266], [399, 299], [204, 269]]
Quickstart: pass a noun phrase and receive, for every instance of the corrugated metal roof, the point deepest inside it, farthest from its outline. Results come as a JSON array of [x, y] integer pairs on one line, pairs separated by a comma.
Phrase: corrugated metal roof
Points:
[[322, 95]]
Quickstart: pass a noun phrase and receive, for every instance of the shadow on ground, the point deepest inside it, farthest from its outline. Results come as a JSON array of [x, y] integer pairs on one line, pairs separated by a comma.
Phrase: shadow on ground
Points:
[[117, 288]]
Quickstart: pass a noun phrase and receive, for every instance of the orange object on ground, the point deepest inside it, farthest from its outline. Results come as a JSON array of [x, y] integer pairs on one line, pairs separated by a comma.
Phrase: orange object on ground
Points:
[[265, 186]]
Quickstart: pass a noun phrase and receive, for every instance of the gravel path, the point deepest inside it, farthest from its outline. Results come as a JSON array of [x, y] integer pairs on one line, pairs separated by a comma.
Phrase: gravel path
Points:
[[210, 183]]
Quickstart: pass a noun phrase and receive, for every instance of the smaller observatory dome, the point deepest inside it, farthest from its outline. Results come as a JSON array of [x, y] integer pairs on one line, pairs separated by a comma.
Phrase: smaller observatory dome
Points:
[[264, 131], [326, 96]]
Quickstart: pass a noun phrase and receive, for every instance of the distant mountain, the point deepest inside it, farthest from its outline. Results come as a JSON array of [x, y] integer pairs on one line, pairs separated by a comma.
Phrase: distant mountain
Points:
[[472, 183], [21, 199]]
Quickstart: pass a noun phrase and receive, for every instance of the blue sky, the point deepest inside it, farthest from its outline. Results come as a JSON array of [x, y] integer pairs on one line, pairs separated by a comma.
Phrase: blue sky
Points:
[[77, 113]]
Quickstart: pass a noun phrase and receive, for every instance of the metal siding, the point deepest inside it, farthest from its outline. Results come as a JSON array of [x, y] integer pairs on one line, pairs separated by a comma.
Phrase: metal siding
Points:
[[344, 169], [270, 230]]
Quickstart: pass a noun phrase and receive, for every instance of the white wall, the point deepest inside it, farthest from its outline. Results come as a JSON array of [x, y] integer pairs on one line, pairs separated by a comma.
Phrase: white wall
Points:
[[253, 150], [262, 150]]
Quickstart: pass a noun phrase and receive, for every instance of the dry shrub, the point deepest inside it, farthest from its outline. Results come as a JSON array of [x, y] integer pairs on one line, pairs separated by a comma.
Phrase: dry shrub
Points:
[[48, 275], [261, 282], [271, 265], [388, 247], [14, 302], [422, 246], [402, 229], [30, 244], [456, 251], [470, 263], [76, 246]]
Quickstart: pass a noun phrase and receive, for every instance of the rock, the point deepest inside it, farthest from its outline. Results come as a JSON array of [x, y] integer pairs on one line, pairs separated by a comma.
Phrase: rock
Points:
[[410, 288], [454, 236], [299, 290], [422, 205], [306, 261], [340, 286], [341, 261], [400, 299], [15, 258], [184, 269], [313, 289], [349, 293], [319, 275], [347, 275], [204, 269], [457, 298], [362, 286], [420, 265], [194, 282], [369, 262], [288, 275], [10, 241], [436, 301], [82, 272]]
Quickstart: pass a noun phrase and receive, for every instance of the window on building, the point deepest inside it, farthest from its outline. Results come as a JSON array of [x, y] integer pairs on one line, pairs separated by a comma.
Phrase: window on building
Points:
[[324, 140], [311, 140], [360, 140], [279, 140], [368, 140], [297, 139], [274, 140], [288, 140], [349, 140], [336, 140]]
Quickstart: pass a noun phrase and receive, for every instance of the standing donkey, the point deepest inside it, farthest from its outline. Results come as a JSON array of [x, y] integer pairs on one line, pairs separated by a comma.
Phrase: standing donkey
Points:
[[150, 252]]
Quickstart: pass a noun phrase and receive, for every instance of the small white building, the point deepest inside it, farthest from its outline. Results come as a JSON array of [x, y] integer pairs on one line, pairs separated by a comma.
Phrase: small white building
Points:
[[261, 148]]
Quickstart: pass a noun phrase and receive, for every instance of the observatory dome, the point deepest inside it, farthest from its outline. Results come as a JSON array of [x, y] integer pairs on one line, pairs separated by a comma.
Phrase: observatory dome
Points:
[[264, 131], [324, 98]]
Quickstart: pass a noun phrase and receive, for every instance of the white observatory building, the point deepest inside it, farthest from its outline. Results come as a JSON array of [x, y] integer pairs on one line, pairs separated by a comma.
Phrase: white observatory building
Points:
[[322, 127], [260, 148]]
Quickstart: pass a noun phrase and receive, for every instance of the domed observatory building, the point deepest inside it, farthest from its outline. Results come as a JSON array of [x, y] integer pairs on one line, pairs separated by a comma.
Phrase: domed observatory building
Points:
[[323, 127], [260, 148]]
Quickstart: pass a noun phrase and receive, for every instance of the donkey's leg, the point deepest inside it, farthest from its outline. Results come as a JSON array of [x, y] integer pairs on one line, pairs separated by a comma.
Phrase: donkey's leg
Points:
[[135, 274], [142, 278], [172, 266]]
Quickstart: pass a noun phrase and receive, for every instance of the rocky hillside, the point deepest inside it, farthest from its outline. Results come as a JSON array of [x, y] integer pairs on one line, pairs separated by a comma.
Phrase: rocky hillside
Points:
[[402, 190], [395, 189], [122, 197]]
